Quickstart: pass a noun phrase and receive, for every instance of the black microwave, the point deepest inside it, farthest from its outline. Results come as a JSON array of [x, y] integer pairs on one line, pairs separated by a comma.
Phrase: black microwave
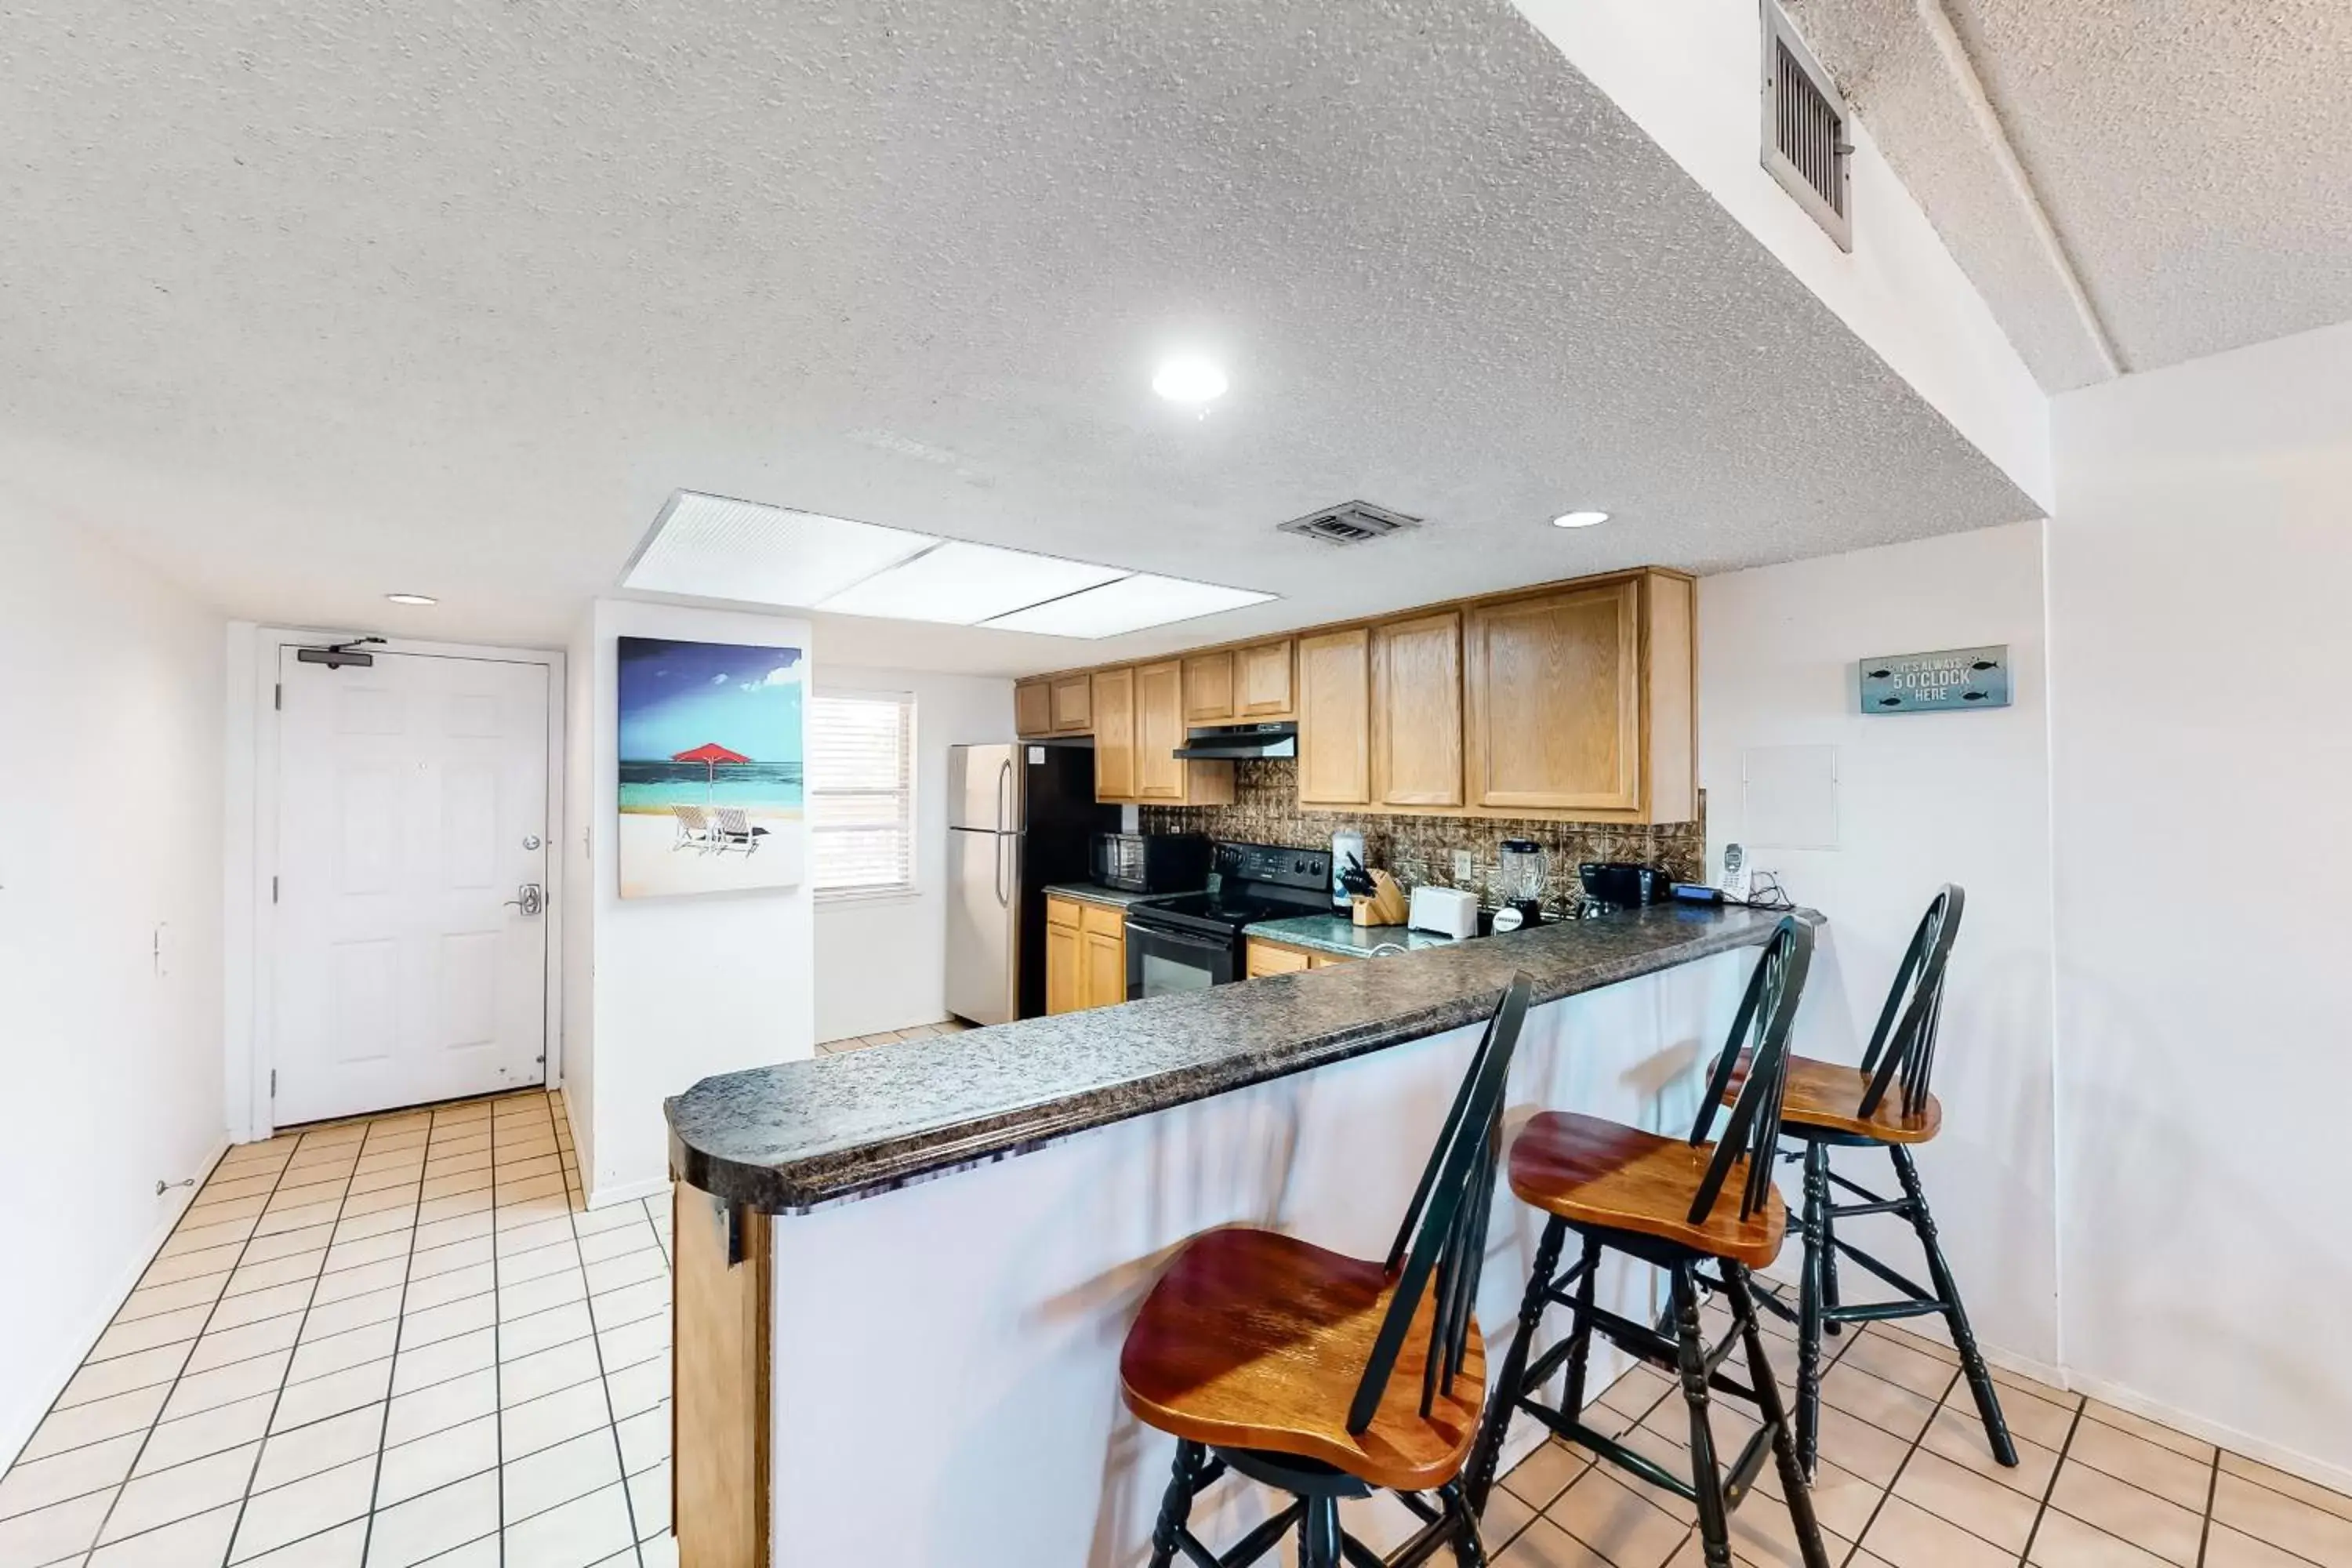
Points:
[[1151, 862]]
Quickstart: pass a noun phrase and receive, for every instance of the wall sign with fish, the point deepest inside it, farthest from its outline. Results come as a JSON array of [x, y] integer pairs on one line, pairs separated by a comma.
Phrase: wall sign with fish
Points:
[[1953, 679]]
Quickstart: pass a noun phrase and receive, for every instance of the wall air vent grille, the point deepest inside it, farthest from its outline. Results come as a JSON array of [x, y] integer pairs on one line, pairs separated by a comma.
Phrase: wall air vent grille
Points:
[[1350, 522], [1806, 142]]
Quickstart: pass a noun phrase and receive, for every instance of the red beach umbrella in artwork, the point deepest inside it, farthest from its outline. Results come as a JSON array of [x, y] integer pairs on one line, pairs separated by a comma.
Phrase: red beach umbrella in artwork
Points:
[[709, 755]]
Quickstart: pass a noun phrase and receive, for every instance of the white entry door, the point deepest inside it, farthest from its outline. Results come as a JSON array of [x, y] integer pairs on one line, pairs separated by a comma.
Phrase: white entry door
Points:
[[411, 928]]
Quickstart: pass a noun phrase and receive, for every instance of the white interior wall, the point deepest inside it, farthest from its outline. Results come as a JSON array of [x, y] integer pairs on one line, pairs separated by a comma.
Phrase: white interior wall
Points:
[[2200, 565], [110, 751], [1688, 74], [682, 987], [1923, 799], [881, 962]]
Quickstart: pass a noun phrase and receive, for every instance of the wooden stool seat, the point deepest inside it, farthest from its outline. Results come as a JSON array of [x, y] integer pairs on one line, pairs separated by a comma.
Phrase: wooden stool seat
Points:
[[1256, 1340], [1828, 1096], [1593, 1172]]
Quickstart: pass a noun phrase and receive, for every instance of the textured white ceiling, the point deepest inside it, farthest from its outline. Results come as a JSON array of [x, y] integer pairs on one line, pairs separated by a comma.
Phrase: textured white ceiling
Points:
[[312, 303], [2195, 160]]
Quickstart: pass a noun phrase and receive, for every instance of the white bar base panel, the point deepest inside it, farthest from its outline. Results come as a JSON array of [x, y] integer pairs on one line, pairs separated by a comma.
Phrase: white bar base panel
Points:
[[946, 1356]]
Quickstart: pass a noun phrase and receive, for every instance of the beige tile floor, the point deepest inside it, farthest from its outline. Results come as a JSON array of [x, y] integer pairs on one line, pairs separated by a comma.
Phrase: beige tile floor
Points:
[[402, 1341], [1907, 1481], [921, 1032], [393, 1340]]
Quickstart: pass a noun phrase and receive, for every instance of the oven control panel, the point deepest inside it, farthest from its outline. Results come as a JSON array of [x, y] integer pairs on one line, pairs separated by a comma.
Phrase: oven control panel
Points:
[[1274, 863]]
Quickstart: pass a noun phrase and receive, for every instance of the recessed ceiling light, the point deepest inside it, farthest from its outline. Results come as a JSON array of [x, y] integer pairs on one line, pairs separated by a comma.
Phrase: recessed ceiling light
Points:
[[1189, 378], [960, 583], [1579, 518], [1128, 605], [412, 598], [715, 547]]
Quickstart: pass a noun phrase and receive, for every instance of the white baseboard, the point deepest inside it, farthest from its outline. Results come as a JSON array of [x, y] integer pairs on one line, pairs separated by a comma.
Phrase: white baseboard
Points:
[[2336, 1478], [627, 1192], [18, 1426]]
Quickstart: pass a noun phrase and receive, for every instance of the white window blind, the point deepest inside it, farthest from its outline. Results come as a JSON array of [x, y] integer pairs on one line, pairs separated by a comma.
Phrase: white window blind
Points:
[[861, 791]]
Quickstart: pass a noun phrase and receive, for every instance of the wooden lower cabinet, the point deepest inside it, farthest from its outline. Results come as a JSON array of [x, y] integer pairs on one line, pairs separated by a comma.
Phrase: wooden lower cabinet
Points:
[[1064, 959], [1086, 956], [720, 1373], [1264, 956]]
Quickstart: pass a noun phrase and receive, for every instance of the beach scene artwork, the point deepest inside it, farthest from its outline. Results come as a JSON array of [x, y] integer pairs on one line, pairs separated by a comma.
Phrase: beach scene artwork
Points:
[[711, 790]]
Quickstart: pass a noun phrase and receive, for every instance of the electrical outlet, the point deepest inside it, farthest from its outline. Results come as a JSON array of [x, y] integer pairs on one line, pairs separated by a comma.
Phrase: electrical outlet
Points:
[[1464, 868]]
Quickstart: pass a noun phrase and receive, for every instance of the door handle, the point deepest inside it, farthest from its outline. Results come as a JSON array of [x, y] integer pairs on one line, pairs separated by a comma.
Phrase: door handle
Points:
[[530, 898]]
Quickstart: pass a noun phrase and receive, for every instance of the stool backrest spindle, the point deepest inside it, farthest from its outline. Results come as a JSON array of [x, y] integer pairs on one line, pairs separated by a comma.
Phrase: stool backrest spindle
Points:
[[1760, 1038], [1904, 1052], [1444, 1233]]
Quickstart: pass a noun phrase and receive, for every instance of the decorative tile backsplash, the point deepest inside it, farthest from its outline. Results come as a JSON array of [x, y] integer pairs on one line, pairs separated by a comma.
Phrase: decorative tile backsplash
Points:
[[1419, 851]]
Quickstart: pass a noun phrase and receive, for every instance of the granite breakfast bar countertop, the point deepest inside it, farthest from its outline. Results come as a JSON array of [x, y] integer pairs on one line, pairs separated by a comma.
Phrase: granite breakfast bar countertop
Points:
[[795, 1136]]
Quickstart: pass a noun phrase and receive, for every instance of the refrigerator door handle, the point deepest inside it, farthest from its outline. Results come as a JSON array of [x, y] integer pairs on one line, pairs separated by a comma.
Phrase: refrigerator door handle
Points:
[[1002, 840], [1004, 823]]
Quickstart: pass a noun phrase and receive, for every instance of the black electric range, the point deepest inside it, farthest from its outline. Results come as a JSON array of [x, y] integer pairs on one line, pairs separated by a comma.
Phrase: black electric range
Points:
[[1189, 942]]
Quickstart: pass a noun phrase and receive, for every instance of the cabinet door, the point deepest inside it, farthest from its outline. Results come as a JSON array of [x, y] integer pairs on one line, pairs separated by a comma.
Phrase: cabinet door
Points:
[[1073, 705], [1268, 958], [1114, 713], [1159, 731], [1417, 711], [1335, 739], [1033, 708], [1555, 701], [1064, 969], [1105, 970], [1261, 686], [1208, 689]]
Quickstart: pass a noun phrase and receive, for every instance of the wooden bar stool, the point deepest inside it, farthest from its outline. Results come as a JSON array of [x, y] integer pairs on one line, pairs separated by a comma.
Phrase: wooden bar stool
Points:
[[1657, 1198], [1882, 1104], [1326, 1376]]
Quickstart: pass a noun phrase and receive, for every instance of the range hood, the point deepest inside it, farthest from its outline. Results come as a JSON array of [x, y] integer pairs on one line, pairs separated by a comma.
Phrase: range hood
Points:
[[1233, 743]]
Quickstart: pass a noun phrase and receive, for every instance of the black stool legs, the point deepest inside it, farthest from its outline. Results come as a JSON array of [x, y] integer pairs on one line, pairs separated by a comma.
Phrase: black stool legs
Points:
[[1690, 1345], [1818, 1309], [1956, 1317], [1177, 1505]]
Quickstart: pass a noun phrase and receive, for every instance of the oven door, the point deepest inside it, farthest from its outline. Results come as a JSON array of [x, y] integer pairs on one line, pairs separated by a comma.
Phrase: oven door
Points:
[[1159, 961]]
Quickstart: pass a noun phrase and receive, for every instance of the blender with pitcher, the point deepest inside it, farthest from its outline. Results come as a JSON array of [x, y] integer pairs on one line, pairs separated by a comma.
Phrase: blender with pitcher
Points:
[[1522, 873]]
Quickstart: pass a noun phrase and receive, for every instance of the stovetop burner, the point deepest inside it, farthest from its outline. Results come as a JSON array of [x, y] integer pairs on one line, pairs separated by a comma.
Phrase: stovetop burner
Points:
[[1231, 909]]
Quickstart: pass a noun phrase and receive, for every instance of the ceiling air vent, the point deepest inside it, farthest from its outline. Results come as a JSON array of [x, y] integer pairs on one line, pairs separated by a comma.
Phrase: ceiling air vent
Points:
[[1805, 130], [1350, 522]]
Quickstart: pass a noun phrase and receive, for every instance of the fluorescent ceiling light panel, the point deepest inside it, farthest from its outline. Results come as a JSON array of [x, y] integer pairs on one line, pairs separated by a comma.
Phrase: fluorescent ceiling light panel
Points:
[[716, 548], [963, 584], [1128, 605]]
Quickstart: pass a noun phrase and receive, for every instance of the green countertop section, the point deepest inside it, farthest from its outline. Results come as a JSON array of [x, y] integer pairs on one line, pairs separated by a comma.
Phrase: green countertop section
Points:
[[1337, 934]]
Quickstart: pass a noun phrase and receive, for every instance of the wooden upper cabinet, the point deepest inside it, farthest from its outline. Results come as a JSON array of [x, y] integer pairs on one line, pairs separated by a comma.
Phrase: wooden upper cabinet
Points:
[[1114, 722], [1159, 731], [1208, 689], [1033, 708], [1262, 681], [1417, 711], [1335, 715], [1073, 704], [1555, 687]]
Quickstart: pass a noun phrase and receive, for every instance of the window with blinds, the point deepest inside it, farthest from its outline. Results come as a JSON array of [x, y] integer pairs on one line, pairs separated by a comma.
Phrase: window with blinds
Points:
[[861, 792]]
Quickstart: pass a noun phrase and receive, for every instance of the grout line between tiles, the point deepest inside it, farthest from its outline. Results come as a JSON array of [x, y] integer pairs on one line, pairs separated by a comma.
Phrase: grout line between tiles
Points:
[[2212, 1490], [392, 1378], [2051, 1489], [148, 1435], [279, 1396]]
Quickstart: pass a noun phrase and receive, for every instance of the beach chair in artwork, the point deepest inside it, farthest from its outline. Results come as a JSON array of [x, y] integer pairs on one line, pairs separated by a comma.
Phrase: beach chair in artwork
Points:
[[735, 830], [694, 829]]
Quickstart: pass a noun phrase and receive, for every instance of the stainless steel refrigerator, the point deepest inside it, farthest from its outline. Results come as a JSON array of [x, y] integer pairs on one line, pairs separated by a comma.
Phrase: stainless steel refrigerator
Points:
[[1019, 817]]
